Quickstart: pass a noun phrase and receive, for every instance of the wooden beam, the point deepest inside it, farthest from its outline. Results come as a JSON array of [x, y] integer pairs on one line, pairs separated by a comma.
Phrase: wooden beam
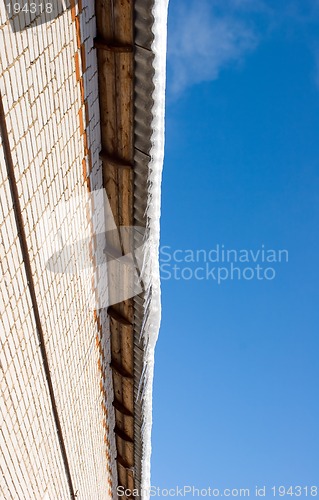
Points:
[[124, 463], [122, 434], [120, 370], [99, 43], [116, 162], [121, 408], [114, 314]]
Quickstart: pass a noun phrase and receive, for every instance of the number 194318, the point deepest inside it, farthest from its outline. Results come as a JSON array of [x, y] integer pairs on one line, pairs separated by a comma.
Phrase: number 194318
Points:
[[295, 491], [32, 8]]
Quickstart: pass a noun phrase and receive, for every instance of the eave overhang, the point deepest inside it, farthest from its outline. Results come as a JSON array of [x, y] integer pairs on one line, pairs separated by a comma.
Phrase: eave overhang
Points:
[[124, 44]]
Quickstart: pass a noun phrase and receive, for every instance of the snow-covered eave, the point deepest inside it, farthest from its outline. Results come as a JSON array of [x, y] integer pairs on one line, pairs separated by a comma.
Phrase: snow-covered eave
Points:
[[131, 55], [152, 312]]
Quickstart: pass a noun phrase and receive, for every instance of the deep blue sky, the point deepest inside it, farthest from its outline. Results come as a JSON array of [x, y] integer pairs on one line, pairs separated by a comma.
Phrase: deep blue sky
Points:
[[236, 373]]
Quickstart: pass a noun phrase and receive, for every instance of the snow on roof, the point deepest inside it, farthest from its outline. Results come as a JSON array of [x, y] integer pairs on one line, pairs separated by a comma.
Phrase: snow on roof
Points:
[[152, 323]]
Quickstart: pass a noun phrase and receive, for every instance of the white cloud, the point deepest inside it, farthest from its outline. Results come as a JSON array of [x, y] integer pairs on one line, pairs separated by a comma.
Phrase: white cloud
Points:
[[205, 38]]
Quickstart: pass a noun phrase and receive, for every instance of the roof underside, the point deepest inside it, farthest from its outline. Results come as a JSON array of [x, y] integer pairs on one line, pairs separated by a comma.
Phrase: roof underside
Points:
[[125, 65]]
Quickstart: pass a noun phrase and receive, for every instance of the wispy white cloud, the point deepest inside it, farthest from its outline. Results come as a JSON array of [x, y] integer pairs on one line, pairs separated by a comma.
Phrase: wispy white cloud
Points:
[[205, 37], [303, 16]]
